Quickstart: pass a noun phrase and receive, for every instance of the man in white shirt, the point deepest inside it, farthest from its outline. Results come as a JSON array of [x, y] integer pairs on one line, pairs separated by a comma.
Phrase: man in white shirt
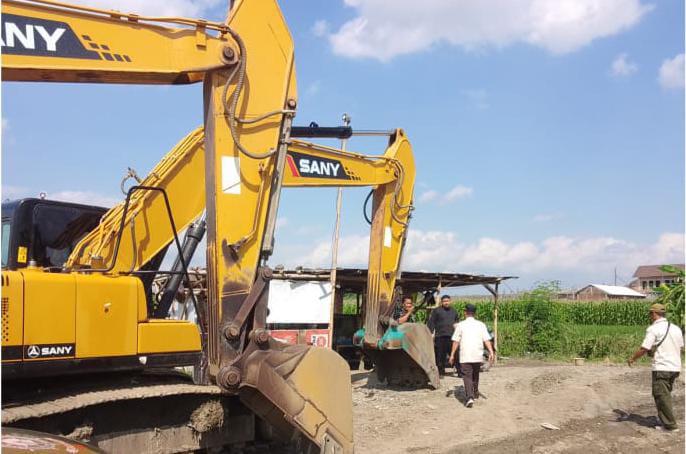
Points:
[[470, 336], [664, 340]]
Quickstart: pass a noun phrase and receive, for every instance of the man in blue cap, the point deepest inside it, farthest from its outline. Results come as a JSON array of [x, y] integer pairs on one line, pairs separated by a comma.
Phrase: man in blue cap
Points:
[[470, 337]]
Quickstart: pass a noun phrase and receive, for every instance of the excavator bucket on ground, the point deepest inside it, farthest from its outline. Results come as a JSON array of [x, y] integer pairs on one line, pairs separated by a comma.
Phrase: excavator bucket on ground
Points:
[[301, 390], [404, 356]]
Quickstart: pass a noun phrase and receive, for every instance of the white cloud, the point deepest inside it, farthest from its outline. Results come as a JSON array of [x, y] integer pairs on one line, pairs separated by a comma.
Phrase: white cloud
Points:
[[85, 197], [479, 98], [384, 29], [622, 66], [187, 8], [578, 261], [427, 196], [320, 28], [352, 250], [5, 125], [456, 193], [671, 74]]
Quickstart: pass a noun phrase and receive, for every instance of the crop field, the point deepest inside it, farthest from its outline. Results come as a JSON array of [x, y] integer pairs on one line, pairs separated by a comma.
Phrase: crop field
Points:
[[587, 341], [596, 330]]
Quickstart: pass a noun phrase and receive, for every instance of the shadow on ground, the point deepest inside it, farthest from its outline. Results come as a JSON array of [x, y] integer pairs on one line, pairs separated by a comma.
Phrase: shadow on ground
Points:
[[644, 421]]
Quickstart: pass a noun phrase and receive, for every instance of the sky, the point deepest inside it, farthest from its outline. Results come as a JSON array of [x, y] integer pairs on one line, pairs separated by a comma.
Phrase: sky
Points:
[[548, 136]]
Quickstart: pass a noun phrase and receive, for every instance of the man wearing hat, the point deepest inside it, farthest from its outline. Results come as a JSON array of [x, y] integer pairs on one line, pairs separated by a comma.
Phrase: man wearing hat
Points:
[[663, 341], [470, 336]]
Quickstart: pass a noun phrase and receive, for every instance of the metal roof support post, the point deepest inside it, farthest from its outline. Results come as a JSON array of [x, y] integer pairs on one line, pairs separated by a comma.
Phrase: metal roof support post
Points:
[[336, 239], [494, 292]]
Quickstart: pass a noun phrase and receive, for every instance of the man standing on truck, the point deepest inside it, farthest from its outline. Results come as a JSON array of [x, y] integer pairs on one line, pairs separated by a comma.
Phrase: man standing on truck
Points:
[[471, 336], [441, 324], [664, 341]]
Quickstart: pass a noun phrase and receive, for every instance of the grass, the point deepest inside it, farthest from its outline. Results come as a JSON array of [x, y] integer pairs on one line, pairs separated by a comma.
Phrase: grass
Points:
[[594, 342]]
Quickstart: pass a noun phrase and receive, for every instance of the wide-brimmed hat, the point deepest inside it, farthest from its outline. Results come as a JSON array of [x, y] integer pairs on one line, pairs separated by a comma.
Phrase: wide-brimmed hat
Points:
[[657, 307]]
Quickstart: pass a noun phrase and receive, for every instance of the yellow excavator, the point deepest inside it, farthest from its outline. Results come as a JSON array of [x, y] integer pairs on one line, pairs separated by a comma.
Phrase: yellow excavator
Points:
[[77, 312]]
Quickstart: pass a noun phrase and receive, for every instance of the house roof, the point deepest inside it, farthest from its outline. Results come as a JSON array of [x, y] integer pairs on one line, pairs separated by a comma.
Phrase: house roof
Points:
[[616, 290], [644, 271]]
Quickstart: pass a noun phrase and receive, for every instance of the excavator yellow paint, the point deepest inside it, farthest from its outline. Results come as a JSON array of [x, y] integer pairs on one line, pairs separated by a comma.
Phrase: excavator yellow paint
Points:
[[106, 315], [167, 336], [49, 307]]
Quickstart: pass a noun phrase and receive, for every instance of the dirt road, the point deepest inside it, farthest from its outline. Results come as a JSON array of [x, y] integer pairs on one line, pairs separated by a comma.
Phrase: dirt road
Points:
[[598, 408]]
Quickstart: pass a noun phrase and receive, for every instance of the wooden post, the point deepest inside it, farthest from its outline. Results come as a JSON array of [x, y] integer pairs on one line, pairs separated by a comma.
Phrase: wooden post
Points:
[[495, 323], [494, 292]]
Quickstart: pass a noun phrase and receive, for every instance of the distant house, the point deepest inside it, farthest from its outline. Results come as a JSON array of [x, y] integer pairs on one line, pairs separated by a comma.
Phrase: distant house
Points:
[[603, 292], [647, 277]]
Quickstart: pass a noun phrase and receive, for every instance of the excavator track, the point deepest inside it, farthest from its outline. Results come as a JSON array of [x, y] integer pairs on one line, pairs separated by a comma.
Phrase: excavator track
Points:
[[157, 412]]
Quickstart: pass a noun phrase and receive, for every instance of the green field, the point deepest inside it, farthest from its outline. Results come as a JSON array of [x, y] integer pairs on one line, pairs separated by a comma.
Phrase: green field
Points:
[[592, 330], [586, 341]]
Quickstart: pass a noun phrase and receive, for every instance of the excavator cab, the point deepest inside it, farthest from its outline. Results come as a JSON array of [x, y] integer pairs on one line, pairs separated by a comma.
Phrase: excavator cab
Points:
[[44, 231]]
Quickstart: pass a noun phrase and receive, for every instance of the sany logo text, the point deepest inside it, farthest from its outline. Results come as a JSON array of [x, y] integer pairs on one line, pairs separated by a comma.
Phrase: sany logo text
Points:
[[41, 351], [12, 36], [303, 165], [319, 167]]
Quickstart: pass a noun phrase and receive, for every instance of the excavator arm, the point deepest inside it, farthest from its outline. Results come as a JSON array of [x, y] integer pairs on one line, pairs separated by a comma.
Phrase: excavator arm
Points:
[[392, 177], [402, 354], [248, 73], [45, 41]]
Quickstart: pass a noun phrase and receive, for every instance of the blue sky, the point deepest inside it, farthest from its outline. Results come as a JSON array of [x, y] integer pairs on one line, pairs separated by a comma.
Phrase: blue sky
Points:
[[549, 136]]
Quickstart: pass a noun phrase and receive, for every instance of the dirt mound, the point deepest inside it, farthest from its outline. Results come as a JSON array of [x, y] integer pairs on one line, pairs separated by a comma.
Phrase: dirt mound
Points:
[[208, 416], [547, 382]]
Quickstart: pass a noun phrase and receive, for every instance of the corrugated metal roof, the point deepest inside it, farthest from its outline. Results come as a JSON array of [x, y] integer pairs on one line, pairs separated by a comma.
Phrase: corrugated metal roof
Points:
[[410, 281], [617, 290]]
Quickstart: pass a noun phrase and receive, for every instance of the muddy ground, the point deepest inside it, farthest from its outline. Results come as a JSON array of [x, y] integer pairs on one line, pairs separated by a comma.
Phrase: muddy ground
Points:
[[597, 408]]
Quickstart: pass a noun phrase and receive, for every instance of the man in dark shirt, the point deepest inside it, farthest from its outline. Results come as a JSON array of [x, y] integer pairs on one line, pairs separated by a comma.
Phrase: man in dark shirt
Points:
[[405, 312], [441, 323]]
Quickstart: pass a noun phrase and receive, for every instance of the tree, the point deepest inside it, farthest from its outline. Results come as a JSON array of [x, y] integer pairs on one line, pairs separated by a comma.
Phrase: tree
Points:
[[672, 295]]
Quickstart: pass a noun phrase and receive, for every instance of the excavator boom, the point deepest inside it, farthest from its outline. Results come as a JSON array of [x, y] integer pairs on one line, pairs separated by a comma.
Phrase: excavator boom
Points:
[[247, 69]]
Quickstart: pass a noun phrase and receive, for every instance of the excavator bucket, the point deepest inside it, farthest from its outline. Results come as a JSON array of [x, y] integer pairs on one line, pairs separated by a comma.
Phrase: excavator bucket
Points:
[[301, 390], [404, 356]]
